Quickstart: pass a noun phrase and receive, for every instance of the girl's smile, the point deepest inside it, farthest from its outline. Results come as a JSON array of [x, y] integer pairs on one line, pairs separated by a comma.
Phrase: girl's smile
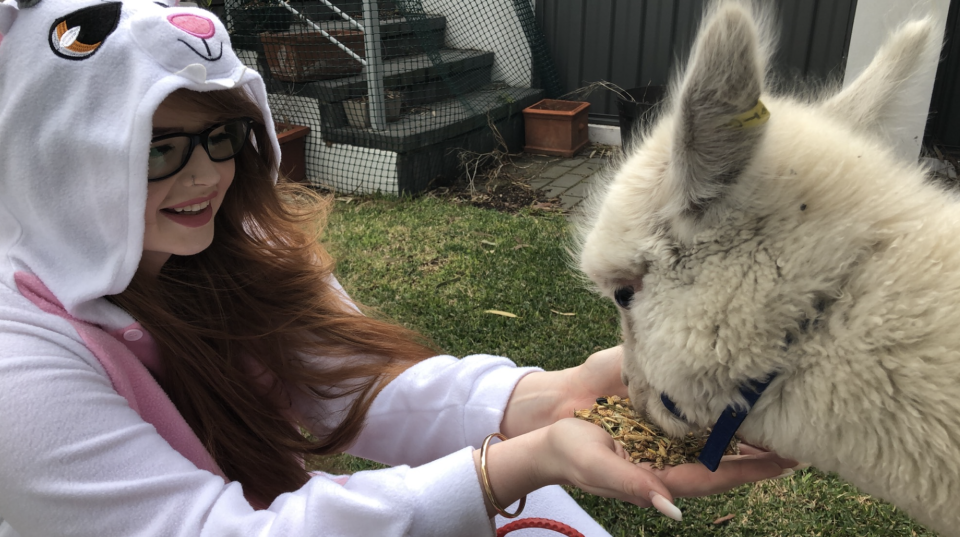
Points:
[[180, 211], [193, 213]]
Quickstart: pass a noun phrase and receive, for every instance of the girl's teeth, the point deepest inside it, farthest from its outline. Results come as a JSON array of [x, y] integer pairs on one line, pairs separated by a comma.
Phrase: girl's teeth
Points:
[[193, 208]]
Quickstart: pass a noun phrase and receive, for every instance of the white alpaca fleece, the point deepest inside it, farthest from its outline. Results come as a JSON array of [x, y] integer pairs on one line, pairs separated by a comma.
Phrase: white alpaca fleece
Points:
[[801, 248]]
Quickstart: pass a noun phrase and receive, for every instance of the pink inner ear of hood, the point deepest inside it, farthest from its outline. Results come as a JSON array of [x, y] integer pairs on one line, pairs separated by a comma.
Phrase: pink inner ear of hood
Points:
[[193, 25]]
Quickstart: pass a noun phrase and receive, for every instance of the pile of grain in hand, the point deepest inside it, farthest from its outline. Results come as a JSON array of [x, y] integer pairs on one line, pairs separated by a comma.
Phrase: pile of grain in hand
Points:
[[643, 441]]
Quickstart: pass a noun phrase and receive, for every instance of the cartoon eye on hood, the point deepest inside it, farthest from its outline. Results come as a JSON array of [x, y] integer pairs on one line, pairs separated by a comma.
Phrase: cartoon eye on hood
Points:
[[78, 35]]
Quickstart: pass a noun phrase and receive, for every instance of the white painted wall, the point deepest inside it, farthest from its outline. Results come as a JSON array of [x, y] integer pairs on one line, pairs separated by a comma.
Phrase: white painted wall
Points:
[[873, 22], [350, 169], [490, 25], [604, 134]]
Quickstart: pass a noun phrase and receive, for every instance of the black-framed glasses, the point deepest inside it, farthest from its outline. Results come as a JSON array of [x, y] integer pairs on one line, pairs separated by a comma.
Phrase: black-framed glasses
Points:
[[170, 153]]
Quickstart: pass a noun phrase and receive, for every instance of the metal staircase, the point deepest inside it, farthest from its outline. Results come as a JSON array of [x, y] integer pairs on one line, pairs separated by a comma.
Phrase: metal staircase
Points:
[[450, 100]]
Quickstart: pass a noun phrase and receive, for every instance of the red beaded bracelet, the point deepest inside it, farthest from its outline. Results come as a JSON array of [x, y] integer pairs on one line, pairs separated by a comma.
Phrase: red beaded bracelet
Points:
[[543, 523]]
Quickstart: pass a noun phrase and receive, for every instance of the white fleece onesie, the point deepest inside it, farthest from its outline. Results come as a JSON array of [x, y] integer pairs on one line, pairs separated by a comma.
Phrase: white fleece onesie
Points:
[[89, 445]]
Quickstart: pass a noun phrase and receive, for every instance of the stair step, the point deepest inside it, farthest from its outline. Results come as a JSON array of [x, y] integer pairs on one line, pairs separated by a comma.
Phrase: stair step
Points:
[[418, 95], [398, 36], [429, 125], [406, 71], [438, 164], [354, 8]]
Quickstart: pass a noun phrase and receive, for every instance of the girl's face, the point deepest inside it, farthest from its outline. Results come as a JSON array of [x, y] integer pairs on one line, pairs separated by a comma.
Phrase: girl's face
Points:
[[181, 208]]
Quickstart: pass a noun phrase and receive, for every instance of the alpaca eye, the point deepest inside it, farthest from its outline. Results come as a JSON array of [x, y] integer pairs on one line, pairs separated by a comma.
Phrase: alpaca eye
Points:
[[623, 296]]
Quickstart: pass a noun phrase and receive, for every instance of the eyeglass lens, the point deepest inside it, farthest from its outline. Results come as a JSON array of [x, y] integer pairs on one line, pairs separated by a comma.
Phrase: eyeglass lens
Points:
[[169, 154]]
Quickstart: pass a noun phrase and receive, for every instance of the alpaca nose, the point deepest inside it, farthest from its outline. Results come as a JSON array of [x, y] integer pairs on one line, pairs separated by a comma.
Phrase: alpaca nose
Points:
[[193, 24]]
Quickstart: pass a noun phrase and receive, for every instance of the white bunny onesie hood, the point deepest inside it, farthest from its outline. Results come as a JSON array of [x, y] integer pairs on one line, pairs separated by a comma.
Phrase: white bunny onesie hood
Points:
[[90, 444], [79, 83]]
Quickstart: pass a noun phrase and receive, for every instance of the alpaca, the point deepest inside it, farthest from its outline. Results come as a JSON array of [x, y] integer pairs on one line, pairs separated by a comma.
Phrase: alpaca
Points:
[[754, 238]]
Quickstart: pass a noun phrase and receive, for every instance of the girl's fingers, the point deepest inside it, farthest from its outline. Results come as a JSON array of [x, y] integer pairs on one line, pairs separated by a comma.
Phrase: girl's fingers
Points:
[[622, 453], [601, 466], [690, 480], [748, 452], [747, 449], [749, 471], [602, 373], [598, 465], [634, 483]]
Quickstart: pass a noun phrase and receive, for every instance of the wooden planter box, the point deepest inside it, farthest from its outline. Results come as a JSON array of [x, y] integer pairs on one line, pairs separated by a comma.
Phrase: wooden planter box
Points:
[[308, 56], [293, 161], [358, 111], [556, 128]]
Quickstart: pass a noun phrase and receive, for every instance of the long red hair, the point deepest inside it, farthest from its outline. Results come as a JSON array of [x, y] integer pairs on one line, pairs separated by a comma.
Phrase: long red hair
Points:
[[256, 315]]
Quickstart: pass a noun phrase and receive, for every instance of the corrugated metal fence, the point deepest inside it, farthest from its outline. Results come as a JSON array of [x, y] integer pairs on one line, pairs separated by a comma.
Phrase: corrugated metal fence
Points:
[[943, 129], [634, 43]]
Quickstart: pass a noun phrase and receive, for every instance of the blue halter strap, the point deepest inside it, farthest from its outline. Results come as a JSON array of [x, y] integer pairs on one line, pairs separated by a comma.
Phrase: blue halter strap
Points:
[[728, 422]]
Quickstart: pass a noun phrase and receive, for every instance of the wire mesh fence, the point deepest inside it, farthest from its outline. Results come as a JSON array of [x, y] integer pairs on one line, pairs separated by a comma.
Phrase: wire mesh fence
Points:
[[385, 96]]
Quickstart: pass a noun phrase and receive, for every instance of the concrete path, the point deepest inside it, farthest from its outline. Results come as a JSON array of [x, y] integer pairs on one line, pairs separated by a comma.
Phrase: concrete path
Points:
[[571, 179]]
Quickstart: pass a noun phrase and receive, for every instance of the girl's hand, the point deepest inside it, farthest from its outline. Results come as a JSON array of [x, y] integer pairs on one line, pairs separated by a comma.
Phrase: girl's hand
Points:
[[542, 398], [583, 455], [598, 376], [561, 449], [574, 452]]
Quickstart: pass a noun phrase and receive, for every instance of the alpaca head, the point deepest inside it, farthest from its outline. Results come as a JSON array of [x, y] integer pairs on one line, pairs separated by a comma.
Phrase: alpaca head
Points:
[[729, 232]]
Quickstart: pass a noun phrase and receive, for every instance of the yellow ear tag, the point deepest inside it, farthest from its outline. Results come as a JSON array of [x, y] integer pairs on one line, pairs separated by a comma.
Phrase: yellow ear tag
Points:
[[756, 116]]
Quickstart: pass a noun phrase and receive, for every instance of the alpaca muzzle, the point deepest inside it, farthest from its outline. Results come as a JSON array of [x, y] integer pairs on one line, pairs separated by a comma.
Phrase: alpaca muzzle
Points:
[[727, 424]]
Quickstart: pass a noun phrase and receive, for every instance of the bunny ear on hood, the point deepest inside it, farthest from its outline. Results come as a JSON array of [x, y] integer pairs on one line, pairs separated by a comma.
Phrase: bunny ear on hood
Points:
[[79, 83]]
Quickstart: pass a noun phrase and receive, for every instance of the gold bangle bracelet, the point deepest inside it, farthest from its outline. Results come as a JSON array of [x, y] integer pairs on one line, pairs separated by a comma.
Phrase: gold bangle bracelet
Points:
[[485, 479]]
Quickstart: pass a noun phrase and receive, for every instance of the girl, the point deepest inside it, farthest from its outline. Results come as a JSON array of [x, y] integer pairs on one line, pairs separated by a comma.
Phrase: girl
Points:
[[169, 324]]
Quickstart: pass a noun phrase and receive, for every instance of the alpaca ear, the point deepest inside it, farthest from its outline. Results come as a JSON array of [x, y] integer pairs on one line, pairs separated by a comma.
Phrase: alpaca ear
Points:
[[719, 114], [872, 102]]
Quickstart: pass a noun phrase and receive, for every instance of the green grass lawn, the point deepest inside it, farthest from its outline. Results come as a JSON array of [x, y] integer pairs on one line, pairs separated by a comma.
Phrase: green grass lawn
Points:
[[437, 266]]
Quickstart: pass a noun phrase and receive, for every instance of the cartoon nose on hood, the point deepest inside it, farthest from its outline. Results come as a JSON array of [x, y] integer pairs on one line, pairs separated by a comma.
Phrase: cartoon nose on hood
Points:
[[183, 41], [80, 81]]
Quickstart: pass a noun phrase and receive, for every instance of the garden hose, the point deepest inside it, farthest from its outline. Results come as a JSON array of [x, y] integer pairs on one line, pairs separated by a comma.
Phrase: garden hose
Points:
[[543, 523]]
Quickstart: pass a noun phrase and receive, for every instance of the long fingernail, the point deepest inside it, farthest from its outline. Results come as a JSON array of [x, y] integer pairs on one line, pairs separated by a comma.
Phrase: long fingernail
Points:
[[787, 472], [801, 466], [665, 506]]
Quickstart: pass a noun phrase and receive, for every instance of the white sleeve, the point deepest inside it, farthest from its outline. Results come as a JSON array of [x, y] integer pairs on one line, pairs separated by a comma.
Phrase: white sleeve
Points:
[[432, 409], [436, 407], [335, 284], [77, 460]]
